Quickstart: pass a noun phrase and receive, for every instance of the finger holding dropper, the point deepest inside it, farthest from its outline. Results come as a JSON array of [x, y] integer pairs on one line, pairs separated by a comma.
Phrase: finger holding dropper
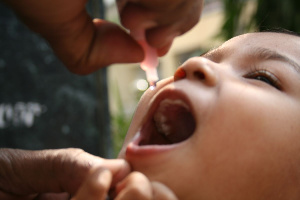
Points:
[[150, 62]]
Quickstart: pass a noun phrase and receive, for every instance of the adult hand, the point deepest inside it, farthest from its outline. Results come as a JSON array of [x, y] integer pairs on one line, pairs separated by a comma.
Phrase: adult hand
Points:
[[83, 44], [134, 186], [162, 19], [138, 186], [51, 174]]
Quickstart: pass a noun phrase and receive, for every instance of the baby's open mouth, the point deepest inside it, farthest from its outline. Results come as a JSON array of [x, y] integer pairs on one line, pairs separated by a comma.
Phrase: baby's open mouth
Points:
[[171, 122]]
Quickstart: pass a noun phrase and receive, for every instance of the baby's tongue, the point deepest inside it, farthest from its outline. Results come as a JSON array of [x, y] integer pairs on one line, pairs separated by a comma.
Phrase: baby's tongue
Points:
[[174, 120]]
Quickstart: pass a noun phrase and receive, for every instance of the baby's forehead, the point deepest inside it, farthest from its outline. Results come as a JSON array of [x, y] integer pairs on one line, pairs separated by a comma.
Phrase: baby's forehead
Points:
[[265, 39], [285, 43]]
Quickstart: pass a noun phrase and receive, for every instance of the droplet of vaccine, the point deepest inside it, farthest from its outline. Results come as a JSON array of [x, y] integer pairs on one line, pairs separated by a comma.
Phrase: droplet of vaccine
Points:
[[152, 87]]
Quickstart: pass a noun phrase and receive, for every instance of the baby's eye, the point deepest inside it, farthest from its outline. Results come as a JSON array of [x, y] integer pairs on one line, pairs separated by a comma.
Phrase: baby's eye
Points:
[[265, 76]]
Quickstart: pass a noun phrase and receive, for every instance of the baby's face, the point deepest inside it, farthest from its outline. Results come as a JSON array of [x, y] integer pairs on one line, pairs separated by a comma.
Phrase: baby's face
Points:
[[229, 128]]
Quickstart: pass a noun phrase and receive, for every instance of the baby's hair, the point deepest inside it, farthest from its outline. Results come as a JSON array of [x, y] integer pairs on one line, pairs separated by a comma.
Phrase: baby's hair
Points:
[[281, 30]]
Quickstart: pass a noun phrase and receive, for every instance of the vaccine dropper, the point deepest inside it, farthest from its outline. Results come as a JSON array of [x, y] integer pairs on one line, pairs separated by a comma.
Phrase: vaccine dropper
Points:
[[150, 62]]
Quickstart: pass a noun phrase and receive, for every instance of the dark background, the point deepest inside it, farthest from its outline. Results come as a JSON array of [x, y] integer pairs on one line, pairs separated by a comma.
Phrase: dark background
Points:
[[43, 105]]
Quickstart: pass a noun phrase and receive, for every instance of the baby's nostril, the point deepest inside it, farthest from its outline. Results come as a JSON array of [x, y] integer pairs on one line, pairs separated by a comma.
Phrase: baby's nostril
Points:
[[199, 75]]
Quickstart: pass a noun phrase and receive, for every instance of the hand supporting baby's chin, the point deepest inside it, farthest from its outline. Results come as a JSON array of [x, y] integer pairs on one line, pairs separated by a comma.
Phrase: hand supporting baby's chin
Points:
[[135, 186]]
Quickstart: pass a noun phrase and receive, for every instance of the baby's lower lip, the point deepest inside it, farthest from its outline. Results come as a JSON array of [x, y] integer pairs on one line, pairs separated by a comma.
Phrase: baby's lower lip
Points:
[[134, 149]]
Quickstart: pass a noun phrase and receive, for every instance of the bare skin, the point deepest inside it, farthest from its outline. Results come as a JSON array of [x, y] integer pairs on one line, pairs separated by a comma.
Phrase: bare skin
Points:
[[134, 186], [43, 175]]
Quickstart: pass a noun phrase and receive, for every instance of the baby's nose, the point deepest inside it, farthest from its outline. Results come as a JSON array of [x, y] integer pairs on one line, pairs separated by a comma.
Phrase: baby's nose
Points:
[[199, 69]]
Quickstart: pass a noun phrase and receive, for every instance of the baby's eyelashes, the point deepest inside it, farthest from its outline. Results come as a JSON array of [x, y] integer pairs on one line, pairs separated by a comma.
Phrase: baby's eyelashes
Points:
[[265, 76]]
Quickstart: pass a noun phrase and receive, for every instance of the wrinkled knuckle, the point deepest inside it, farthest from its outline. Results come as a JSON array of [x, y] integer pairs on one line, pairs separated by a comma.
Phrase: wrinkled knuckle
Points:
[[66, 158], [72, 155]]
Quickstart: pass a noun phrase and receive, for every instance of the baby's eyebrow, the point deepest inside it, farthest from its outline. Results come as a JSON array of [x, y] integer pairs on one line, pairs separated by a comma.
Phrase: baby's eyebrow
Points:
[[268, 54]]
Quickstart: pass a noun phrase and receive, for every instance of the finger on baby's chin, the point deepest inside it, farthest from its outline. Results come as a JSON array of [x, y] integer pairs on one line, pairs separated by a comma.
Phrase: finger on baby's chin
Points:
[[162, 192], [96, 186], [134, 186], [118, 167]]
